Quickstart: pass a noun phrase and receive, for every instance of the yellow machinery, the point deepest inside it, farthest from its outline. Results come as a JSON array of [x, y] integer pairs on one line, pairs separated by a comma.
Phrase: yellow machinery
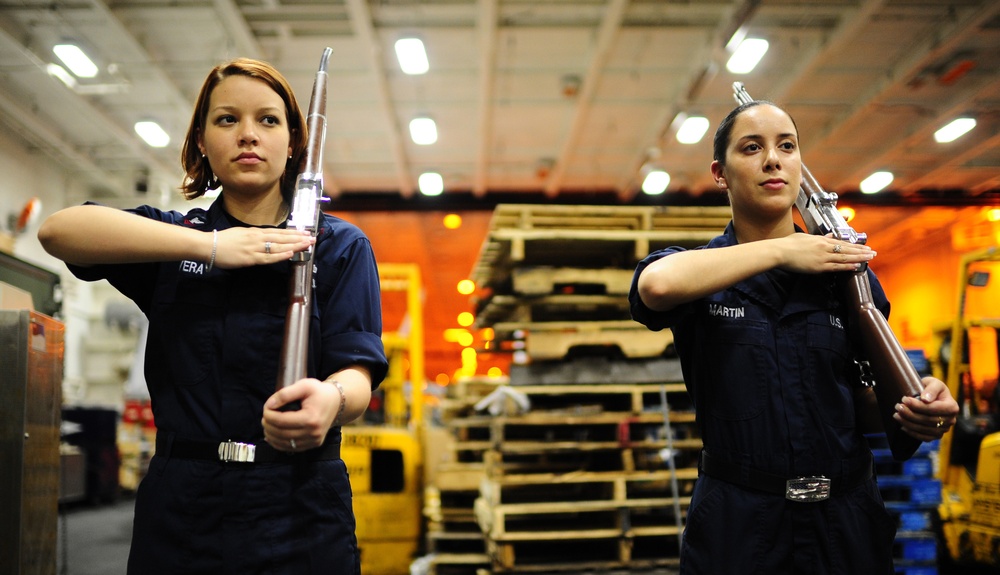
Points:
[[385, 461], [969, 466]]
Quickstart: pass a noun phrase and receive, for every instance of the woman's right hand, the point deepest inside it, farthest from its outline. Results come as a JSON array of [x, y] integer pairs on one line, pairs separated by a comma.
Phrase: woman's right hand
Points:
[[807, 253], [243, 247]]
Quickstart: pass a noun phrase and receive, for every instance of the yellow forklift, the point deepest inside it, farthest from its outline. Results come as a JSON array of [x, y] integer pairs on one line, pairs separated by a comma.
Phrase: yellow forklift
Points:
[[969, 456], [384, 458]]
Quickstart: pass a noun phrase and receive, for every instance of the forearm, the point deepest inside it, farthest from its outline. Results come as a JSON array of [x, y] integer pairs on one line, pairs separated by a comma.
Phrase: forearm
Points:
[[357, 390], [88, 235], [689, 275]]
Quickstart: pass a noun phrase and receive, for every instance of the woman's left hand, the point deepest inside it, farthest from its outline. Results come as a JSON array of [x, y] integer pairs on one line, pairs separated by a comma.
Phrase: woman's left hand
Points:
[[929, 416], [306, 428]]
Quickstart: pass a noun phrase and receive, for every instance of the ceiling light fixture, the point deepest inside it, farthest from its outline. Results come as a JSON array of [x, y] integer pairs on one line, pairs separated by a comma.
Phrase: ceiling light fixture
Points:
[[76, 60], [747, 55], [412, 56], [876, 182], [655, 182], [692, 130], [57, 71], [152, 134], [954, 130], [430, 184], [423, 131]]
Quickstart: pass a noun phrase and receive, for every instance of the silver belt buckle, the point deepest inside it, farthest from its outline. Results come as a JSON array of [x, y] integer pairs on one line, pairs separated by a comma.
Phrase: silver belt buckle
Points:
[[807, 489], [235, 451]]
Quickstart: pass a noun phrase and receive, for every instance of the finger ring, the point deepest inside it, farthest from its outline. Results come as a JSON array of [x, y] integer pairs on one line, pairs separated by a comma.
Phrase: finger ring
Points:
[[292, 443], [940, 422], [836, 249], [267, 247]]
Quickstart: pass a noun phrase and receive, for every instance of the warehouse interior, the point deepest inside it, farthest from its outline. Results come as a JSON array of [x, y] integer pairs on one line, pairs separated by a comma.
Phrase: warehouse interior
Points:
[[506, 240]]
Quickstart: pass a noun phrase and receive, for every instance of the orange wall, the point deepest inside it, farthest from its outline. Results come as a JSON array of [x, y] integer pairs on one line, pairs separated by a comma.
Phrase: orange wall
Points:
[[445, 256]]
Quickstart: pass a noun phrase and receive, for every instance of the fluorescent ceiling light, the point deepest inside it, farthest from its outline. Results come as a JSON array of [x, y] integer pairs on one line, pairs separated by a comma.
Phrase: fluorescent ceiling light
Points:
[[876, 182], [57, 71], [655, 182], [954, 130], [153, 134], [75, 60], [746, 57], [692, 130], [430, 184], [412, 56], [423, 131]]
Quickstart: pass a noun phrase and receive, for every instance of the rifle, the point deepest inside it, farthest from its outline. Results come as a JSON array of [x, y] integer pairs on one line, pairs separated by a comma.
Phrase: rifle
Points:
[[305, 216], [894, 374]]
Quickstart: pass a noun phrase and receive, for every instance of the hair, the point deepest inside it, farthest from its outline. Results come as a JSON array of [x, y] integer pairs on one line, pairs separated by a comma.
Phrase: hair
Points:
[[725, 129], [199, 178]]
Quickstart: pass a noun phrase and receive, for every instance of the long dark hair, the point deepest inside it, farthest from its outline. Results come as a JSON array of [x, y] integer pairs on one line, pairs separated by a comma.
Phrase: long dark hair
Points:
[[199, 176]]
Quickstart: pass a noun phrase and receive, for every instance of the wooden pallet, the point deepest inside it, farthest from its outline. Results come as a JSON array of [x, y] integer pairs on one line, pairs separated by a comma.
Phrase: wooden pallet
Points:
[[584, 485], [508, 309], [544, 280], [582, 236], [594, 551], [621, 398], [554, 339]]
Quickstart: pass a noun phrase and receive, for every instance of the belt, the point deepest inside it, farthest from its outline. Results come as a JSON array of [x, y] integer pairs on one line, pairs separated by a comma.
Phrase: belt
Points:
[[238, 452], [802, 489]]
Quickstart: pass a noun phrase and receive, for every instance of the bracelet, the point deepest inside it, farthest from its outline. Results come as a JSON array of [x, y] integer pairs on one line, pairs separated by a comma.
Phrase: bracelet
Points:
[[343, 403], [215, 246]]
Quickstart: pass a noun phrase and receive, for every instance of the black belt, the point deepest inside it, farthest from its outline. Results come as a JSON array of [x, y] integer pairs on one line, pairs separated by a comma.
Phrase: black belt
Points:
[[804, 489], [238, 452]]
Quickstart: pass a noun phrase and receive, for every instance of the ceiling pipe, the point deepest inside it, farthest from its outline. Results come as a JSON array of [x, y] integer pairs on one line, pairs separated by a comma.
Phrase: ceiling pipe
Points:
[[610, 25], [487, 29], [361, 23]]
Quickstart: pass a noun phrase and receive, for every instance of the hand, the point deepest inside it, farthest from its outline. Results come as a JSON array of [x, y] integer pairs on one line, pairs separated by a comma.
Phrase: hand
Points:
[[931, 415], [243, 247], [308, 426], [807, 253]]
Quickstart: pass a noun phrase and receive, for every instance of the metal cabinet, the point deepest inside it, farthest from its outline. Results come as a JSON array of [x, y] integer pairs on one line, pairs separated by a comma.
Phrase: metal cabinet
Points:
[[31, 368]]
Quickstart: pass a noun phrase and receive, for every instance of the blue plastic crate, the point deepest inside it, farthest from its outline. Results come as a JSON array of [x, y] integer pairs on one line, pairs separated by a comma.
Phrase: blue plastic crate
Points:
[[916, 570], [910, 519], [917, 548], [917, 466], [922, 491]]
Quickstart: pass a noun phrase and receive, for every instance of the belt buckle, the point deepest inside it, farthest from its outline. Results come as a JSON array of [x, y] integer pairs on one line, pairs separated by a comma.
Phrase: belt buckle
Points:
[[230, 451], [807, 489]]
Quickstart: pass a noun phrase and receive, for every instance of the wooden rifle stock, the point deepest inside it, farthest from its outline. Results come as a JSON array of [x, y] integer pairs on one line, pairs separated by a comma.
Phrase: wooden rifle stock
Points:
[[894, 374], [305, 216]]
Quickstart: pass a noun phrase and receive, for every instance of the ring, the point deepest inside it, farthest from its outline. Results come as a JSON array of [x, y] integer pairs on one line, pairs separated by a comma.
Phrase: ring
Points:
[[267, 247], [836, 249], [292, 443], [940, 422]]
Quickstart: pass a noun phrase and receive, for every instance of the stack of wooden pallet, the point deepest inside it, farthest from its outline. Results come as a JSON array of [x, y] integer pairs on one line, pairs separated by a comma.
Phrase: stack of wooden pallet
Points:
[[557, 276], [583, 480], [591, 469]]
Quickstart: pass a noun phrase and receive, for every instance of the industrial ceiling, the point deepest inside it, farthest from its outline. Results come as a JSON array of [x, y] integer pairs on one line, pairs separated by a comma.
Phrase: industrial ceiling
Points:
[[560, 100]]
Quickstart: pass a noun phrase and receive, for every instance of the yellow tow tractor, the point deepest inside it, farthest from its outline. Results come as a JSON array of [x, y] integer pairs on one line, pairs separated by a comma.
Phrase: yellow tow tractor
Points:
[[969, 464], [384, 460]]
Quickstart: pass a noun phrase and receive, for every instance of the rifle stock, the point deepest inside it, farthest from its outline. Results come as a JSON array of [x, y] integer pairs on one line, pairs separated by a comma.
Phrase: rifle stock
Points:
[[895, 376], [305, 216]]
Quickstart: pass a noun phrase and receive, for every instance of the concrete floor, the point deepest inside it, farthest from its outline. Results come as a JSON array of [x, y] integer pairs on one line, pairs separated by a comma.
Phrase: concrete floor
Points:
[[94, 540]]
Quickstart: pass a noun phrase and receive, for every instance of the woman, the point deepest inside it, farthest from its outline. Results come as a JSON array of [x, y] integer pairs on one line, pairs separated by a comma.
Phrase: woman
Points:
[[763, 334], [214, 285]]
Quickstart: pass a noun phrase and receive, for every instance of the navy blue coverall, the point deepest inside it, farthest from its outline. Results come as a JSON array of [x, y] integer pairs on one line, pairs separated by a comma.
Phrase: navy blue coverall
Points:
[[768, 365], [211, 361]]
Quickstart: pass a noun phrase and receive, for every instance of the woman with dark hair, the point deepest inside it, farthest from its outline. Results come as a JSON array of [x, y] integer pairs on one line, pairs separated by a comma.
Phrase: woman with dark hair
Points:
[[760, 322], [238, 485]]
